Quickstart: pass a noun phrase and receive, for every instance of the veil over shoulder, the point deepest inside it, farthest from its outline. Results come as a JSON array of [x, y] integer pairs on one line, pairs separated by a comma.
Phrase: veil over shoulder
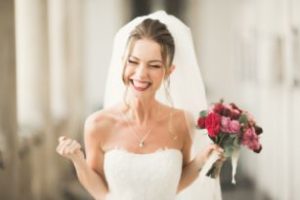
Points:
[[186, 89]]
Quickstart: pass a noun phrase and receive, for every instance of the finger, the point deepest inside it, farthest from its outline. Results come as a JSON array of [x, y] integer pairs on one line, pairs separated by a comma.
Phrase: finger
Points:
[[221, 149], [59, 147], [67, 147], [218, 148], [67, 142], [64, 145], [214, 147], [218, 153], [61, 138], [77, 149], [73, 147], [221, 156]]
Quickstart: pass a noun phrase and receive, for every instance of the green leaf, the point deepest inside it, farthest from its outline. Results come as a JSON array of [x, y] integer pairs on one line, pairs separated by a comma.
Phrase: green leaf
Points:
[[228, 150], [243, 119], [220, 138], [203, 113], [229, 142], [236, 142]]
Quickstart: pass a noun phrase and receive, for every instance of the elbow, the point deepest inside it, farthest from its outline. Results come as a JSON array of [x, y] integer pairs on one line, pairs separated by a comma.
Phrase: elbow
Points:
[[180, 188], [99, 195], [102, 196], [186, 182]]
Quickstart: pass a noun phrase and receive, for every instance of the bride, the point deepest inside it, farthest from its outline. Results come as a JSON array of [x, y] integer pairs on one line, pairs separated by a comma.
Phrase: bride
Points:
[[140, 146]]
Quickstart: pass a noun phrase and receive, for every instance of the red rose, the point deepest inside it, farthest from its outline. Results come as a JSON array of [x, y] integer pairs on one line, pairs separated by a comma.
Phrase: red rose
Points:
[[258, 130], [218, 108], [258, 150], [201, 122], [225, 112], [235, 107], [235, 115], [212, 124]]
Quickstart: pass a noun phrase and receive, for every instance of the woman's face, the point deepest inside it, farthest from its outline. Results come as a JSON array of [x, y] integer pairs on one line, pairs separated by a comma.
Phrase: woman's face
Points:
[[144, 70]]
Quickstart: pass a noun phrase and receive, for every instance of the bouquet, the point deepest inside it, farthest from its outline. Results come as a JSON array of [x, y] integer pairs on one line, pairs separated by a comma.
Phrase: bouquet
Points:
[[230, 127]]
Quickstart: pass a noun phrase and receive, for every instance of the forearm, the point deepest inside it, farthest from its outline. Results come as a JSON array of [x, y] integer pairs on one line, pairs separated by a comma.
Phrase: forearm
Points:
[[90, 180], [190, 172]]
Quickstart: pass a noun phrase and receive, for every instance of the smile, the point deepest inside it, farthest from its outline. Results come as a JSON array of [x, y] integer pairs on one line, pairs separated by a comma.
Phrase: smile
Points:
[[140, 85]]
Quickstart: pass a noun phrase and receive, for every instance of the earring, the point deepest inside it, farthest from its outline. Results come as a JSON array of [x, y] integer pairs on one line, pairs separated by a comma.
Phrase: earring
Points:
[[125, 96], [167, 91]]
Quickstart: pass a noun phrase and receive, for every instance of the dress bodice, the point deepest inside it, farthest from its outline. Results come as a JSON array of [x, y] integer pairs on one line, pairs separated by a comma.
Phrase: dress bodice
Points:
[[132, 176]]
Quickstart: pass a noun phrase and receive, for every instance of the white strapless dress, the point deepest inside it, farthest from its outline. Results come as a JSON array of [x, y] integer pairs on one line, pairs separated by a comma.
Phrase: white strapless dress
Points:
[[153, 176]]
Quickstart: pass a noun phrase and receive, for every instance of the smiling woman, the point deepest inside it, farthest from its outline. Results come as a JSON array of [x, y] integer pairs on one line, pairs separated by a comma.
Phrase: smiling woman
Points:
[[140, 148]]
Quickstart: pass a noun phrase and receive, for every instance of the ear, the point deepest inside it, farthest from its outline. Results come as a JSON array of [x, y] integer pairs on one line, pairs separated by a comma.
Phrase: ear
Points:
[[170, 70]]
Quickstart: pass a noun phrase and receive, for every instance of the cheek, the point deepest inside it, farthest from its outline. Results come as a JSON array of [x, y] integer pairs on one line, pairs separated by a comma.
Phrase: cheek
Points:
[[126, 74], [159, 76]]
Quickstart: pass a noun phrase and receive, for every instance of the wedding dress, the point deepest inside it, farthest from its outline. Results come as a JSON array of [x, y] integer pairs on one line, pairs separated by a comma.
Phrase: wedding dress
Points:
[[151, 176], [155, 176]]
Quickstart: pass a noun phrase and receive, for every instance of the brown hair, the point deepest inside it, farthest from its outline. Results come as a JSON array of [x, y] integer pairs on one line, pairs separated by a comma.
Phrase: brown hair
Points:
[[158, 32]]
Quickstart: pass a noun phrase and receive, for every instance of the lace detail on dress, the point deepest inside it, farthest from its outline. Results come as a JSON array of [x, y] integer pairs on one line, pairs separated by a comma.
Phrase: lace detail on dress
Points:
[[150, 176]]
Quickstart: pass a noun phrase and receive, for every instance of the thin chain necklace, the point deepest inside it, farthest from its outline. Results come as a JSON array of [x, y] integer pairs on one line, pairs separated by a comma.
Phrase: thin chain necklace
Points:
[[141, 141]]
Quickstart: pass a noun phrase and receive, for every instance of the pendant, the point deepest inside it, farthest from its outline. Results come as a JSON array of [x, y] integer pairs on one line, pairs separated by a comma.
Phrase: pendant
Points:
[[141, 144]]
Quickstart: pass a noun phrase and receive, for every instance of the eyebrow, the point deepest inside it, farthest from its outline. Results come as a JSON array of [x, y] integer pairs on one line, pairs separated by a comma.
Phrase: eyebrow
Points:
[[150, 61]]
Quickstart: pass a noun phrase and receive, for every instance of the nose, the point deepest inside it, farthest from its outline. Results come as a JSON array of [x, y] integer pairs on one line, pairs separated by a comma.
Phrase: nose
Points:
[[141, 71]]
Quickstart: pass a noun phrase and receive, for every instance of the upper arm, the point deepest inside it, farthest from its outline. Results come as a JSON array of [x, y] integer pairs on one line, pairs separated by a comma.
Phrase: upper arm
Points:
[[186, 150], [187, 138], [94, 135]]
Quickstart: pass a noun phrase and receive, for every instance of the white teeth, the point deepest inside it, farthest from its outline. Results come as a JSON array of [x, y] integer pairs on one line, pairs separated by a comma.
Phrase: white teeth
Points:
[[142, 85]]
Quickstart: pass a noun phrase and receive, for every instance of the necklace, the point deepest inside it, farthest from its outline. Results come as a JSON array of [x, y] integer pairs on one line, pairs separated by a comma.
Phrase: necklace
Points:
[[141, 141]]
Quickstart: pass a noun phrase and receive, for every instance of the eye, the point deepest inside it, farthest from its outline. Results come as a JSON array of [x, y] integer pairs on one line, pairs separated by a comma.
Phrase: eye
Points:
[[132, 62], [155, 66]]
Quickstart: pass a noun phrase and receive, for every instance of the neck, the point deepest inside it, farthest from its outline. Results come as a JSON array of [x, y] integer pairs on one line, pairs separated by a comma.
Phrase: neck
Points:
[[142, 111]]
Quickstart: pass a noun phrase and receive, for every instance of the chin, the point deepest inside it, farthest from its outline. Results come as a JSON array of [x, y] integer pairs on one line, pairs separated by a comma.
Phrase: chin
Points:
[[141, 94]]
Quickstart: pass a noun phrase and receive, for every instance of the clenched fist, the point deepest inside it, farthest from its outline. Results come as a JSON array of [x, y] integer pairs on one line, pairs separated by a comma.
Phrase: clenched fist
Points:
[[69, 148]]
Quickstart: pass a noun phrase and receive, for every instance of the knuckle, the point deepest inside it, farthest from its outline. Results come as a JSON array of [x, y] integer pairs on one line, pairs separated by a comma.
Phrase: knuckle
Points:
[[68, 140]]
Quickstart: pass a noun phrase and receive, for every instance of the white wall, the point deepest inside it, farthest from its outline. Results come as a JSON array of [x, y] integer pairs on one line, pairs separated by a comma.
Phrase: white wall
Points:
[[247, 54], [102, 20]]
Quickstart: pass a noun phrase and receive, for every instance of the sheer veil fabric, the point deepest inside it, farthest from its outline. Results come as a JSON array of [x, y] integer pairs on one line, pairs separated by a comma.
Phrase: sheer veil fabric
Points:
[[186, 90]]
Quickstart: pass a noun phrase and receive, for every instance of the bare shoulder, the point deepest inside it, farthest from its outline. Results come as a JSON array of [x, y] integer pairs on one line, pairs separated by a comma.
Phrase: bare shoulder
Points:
[[179, 120], [100, 123]]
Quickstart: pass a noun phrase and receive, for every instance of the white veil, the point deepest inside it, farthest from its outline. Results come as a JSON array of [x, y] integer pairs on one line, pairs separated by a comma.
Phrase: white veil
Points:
[[186, 89]]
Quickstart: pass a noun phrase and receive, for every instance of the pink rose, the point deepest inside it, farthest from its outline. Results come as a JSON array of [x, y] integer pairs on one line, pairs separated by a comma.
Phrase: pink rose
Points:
[[225, 123], [234, 126], [229, 126], [250, 139]]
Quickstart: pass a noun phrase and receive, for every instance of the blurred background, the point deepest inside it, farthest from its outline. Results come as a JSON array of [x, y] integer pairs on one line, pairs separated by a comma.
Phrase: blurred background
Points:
[[54, 56]]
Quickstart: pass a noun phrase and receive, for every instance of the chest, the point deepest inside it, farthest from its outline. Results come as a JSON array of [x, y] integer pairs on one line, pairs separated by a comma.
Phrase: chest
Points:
[[143, 140]]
